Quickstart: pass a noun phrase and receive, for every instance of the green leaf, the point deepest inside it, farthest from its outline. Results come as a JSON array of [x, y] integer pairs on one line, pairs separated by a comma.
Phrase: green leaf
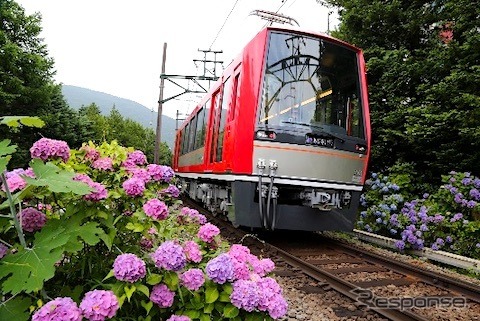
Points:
[[109, 275], [142, 288], [147, 306], [15, 309], [205, 317], [27, 269], [230, 311], [3, 163], [171, 279], [129, 290], [135, 227], [55, 179], [224, 297], [211, 294], [6, 148], [192, 314], [154, 279], [15, 121], [209, 308], [254, 317]]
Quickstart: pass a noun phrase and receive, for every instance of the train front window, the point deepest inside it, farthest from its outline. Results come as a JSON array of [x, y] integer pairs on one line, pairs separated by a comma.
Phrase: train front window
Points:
[[311, 82]]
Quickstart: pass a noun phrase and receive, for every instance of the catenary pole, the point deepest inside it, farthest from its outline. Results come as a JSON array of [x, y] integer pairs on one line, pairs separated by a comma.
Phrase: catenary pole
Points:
[[158, 137]]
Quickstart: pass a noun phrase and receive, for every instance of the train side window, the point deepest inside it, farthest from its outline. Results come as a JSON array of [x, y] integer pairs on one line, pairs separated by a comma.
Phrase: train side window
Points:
[[226, 98], [200, 135], [216, 103], [193, 129], [185, 139]]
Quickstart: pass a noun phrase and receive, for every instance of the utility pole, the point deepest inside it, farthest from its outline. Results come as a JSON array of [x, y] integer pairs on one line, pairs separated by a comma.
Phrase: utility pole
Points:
[[158, 137]]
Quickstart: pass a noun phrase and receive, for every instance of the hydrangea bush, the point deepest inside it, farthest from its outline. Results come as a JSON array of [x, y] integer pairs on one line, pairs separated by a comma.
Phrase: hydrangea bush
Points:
[[448, 219], [98, 233]]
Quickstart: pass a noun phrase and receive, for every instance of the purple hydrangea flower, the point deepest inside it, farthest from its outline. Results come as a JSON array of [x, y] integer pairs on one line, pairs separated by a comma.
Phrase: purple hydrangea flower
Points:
[[46, 148], [64, 309], [32, 219], [169, 256], [400, 245], [128, 267], [162, 296], [192, 279], [456, 217], [207, 232], [156, 209], [141, 173], [245, 295], [175, 317], [3, 250], [220, 269], [172, 190], [134, 186], [98, 305], [263, 267], [192, 251]]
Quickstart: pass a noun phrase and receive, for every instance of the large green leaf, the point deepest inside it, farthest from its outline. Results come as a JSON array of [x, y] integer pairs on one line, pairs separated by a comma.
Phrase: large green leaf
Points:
[[15, 309], [55, 179], [15, 121], [27, 269]]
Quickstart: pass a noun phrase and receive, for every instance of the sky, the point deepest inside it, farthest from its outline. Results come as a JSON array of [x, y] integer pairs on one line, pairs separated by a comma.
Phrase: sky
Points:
[[116, 46]]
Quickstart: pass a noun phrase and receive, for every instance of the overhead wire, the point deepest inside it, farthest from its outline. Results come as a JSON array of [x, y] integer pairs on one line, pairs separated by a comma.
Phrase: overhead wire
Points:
[[226, 19]]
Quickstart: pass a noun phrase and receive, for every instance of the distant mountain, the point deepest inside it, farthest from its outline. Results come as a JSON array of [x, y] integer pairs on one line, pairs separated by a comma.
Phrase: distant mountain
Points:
[[77, 97]]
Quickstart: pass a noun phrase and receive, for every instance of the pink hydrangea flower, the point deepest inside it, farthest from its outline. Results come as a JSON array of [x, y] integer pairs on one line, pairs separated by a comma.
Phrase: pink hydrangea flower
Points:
[[141, 173], [104, 164], [160, 172], [64, 309], [15, 181], [192, 251], [137, 157], [208, 232], [239, 252], [162, 296], [134, 186], [263, 267], [128, 267], [175, 317], [190, 215], [32, 219], [46, 148], [98, 305], [270, 298], [170, 256], [156, 209], [99, 191], [91, 153], [192, 279]]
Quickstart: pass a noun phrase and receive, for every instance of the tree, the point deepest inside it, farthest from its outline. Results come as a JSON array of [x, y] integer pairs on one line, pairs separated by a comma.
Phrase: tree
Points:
[[423, 60], [26, 84], [124, 130]]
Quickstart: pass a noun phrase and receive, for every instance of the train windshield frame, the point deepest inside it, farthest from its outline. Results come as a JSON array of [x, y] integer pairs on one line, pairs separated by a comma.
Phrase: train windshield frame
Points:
[[311, 84]]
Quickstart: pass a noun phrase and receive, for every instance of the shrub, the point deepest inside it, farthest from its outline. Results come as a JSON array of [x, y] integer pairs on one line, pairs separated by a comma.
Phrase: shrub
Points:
[[449, 219], [100, 234]]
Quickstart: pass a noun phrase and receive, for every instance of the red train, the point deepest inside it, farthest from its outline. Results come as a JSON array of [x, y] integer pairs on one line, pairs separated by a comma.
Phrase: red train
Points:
[[282, 140]]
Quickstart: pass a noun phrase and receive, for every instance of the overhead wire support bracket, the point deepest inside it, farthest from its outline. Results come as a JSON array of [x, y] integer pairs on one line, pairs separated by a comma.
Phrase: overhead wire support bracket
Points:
[[186, 90]]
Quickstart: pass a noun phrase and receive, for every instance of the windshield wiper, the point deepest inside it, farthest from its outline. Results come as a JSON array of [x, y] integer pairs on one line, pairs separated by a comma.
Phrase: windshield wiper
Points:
[[323, 129]]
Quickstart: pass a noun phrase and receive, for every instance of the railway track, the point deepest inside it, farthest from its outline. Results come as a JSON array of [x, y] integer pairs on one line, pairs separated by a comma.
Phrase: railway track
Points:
[[373, 284]]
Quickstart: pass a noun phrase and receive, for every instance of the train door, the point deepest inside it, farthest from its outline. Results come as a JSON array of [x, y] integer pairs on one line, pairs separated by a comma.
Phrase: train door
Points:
[[230, 139], [212, 132], [222, 99]]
